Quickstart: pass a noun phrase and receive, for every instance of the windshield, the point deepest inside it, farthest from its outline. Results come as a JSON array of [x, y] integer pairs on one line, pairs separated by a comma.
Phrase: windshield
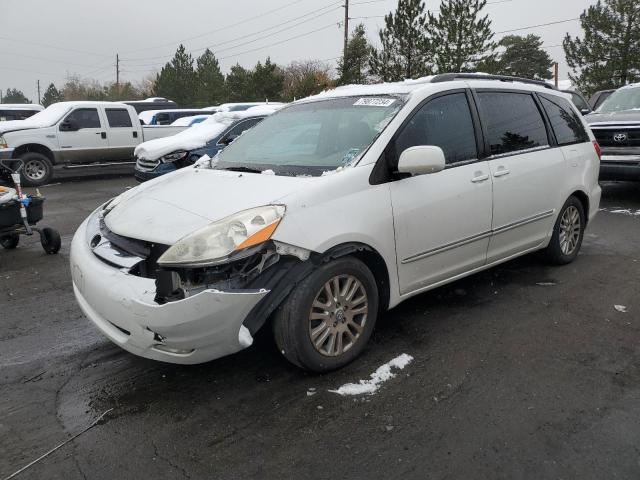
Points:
[[313, 137], [622, 99]]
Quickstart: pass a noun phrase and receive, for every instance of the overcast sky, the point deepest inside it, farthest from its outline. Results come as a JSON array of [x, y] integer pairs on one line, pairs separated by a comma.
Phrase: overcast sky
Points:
[[48, 39]]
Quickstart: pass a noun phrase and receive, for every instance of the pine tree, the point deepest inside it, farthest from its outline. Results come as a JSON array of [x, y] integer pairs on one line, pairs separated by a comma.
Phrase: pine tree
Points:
[[238, 84], [609, 54], [210, 88], [461, 38], [13, 95], [353, 67], [177, 79], [267, 81], [524, 57], [51, 95], [405, 47]]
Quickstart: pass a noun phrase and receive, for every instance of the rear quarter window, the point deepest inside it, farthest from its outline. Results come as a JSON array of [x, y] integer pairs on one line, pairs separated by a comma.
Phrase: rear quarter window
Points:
[[566, 124], [512, 120]]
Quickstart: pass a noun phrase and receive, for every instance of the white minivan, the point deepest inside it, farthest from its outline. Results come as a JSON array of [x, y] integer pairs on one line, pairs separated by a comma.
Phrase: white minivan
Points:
[[333, 210]]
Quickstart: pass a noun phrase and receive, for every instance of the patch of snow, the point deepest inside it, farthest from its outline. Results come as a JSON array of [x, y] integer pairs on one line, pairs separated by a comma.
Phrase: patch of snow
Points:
[[381, 375], [331, 172], [186, 121], [622, 211], [268, 172], [244, 337], [21, 106], [620, 308], [546, 284]]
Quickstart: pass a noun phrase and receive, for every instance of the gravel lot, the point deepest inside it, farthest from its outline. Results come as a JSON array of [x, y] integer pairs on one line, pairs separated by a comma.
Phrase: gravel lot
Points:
[[523, 371]]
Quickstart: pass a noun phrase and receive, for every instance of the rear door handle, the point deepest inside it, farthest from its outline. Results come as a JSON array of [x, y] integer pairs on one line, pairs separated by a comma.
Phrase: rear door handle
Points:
[[501, 172], [480, 177]]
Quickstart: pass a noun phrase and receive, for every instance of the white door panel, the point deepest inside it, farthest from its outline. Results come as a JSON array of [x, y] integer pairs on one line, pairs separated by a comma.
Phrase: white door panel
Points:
[[526, 191], [442, 224]]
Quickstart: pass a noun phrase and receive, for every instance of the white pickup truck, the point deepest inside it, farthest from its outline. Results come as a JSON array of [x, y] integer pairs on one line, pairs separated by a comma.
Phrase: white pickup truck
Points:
[[73, 134]]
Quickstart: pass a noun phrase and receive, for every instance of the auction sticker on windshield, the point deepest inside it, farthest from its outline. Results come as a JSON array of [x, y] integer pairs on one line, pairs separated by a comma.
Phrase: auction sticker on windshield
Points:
[[375, 102]]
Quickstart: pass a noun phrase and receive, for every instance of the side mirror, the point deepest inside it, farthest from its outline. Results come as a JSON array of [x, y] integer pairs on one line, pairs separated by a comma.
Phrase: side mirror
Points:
[[69, 126], [421, 160], [585, 111]]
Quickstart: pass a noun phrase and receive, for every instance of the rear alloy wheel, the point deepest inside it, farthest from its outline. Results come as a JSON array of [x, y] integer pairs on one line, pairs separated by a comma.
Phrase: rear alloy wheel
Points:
[[326, 321], [567, 235]]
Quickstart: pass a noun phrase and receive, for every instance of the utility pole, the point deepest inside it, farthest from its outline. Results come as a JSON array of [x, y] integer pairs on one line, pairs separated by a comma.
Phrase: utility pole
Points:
[[555, 73], [38, 91], [346, 32], [118, 74]]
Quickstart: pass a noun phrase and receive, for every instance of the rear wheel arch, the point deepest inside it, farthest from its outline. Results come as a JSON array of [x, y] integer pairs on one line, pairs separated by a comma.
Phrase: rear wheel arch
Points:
[[584, 200]]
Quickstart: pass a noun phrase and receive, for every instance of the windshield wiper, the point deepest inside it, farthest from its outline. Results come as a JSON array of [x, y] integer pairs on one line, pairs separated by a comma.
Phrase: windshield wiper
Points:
[[242, 169]]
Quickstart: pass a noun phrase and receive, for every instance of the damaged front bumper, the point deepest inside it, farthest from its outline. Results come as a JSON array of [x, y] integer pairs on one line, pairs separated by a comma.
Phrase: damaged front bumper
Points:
[[196, 329]]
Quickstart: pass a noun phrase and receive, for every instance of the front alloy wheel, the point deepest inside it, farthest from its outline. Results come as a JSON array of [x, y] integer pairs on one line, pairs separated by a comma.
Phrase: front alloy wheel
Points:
[[338, 315]]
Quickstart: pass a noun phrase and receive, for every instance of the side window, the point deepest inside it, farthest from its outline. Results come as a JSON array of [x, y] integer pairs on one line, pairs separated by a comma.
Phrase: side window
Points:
[[118, 118], [564, 120], [238, 130], [163, 119], [445, 122], [512, 121], [85, 118], [579, 102]]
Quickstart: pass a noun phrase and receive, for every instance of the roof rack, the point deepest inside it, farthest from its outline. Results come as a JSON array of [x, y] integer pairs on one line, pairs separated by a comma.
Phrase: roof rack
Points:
[[447, 77]]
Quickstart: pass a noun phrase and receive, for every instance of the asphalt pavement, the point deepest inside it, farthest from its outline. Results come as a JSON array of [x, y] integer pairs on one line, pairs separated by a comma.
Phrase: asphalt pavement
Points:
[[524, 371]]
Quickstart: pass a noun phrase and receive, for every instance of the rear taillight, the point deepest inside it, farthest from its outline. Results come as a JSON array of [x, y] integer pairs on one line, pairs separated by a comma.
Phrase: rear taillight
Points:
[[596, 145]]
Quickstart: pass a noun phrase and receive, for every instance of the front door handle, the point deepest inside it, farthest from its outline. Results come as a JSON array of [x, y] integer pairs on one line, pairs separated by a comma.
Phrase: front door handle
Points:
[[102, 134], [480, 177], [501, 172]]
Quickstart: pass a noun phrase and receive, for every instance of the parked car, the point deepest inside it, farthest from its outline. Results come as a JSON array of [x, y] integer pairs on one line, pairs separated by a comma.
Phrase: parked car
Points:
[[579, 101], [74, 134], [597, 98], [18, 111], [167, 117], [616, 125], [190, 121], [158, 157], [333, 210], [153, 103]]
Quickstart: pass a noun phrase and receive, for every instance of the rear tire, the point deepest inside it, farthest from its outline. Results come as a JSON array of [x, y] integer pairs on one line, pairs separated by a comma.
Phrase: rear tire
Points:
[[568, 233], [50, 240], [327, 320], [10, 241], [37, 169]]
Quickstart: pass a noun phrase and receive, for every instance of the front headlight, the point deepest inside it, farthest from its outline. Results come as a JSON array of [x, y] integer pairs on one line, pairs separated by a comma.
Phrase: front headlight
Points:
[[173, 157], [214, 243]]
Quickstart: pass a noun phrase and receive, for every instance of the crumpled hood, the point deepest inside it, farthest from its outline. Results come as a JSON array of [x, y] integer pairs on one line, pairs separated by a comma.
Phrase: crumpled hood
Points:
[[168, 208], [615, 117]]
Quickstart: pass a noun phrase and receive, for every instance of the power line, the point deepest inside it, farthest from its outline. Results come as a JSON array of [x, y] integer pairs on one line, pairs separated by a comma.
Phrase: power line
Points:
[[219, 29], [212, 46], [53, 47], [539, 25]]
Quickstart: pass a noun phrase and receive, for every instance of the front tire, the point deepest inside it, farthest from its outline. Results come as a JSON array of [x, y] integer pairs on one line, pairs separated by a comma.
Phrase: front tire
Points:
[[37, 169], [326, 322], [568, 233]]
